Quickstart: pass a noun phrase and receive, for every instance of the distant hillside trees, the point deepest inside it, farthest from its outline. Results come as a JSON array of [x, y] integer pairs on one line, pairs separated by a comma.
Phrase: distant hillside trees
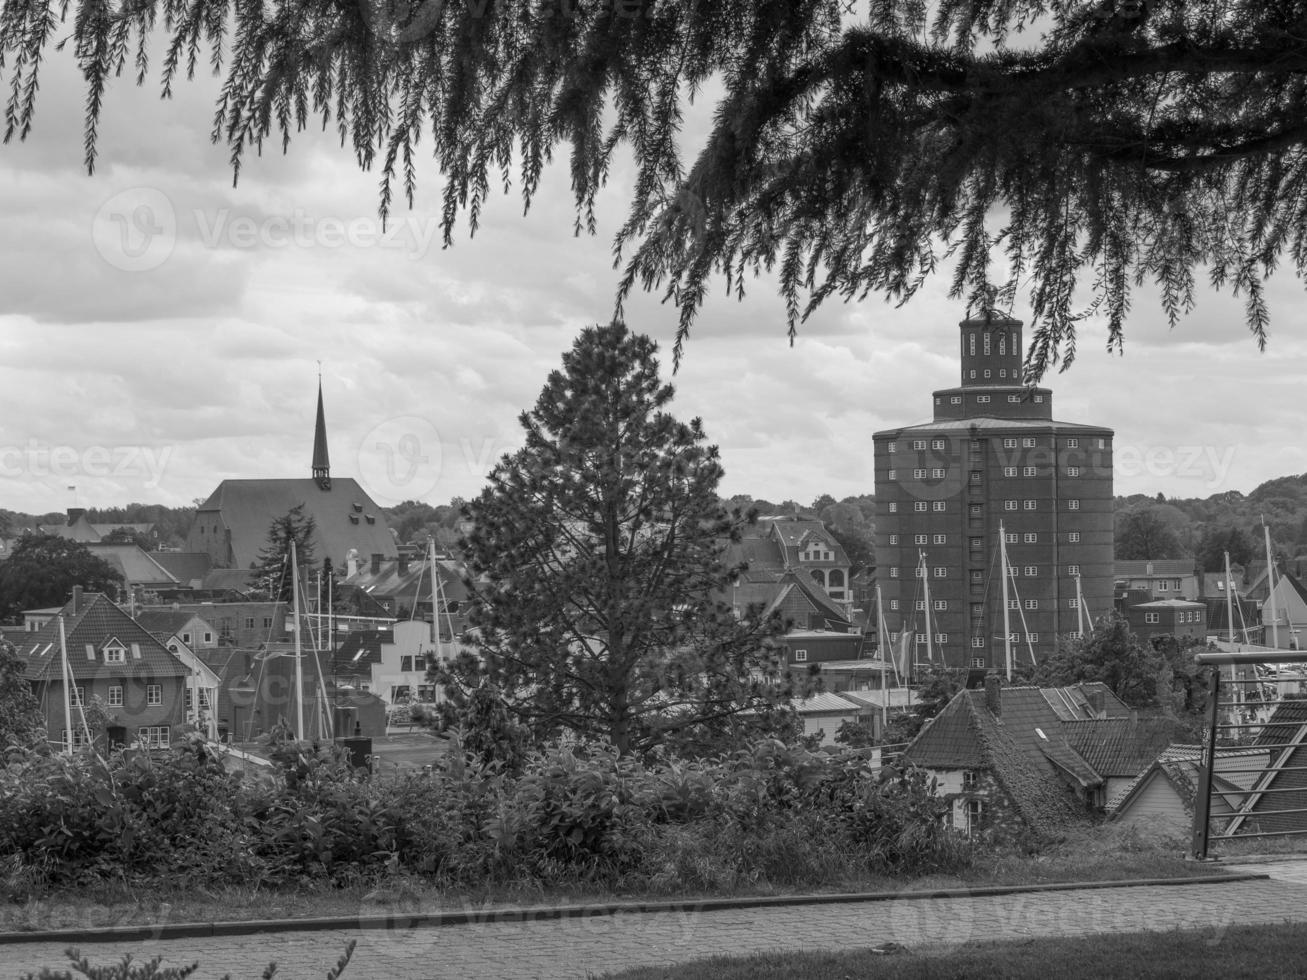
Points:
[[1144, 534]]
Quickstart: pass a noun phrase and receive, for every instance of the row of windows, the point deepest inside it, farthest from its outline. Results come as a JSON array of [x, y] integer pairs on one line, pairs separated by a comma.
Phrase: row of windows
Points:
[[1184, 616], [1015, 571], [153, 695], [938, 473], [938, 506], [978, 608], [988, 336], [978, 544], [1009, 442]]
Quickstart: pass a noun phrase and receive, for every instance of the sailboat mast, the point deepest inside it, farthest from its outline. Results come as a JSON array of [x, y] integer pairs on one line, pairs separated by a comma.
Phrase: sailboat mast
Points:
[[68, 693], [1080, 606], [299, 666], [1229, 601], [925, 586], [1270, 588], [1007, 626]]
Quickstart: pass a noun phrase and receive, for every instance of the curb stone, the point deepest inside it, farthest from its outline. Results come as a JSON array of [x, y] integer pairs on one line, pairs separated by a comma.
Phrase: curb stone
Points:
[[193, 930]]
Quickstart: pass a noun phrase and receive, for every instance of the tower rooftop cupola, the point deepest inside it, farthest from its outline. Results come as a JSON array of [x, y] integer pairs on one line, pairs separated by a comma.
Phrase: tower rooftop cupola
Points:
[[321, 460], [991, 350]]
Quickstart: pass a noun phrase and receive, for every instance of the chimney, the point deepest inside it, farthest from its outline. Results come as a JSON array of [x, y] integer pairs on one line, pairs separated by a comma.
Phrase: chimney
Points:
[[994, 694], [77, 597], [75, 514], [403, 565], [351, 563], [376, 563]]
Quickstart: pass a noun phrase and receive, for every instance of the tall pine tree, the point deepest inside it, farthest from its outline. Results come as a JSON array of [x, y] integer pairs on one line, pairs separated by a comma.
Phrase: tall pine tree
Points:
[[271, 575], [597, 557]]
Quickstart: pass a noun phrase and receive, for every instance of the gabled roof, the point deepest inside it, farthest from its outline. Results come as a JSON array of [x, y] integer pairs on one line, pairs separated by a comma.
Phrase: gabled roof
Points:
[[346, 517], [414, 583], [1160, 604], [96, 621], [822, 604]]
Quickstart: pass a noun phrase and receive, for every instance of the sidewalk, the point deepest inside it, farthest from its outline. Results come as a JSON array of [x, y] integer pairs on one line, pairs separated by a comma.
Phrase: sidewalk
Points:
[[572, 947]]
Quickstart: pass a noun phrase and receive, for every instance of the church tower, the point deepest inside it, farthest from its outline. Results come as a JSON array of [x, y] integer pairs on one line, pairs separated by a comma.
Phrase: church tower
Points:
[[321, 461]]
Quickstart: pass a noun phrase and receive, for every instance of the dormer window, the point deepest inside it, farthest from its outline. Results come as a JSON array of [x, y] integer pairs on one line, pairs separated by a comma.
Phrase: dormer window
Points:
[[115, 653]]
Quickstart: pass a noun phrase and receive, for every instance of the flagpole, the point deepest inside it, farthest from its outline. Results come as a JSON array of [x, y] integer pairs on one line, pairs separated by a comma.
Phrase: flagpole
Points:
[[925, 586]]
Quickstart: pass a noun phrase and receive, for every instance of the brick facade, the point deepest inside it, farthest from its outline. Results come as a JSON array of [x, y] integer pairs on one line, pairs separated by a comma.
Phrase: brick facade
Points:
[[993, 455]]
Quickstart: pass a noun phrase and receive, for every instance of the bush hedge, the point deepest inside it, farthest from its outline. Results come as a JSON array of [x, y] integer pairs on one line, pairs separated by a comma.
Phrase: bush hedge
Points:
[[774, 814]]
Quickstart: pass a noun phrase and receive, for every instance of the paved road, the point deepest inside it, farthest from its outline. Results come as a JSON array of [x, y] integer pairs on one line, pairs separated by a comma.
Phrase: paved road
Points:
[[573, 948]]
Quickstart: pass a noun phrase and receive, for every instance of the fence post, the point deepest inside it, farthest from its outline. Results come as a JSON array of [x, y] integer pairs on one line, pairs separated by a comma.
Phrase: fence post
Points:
[[1203, 802]]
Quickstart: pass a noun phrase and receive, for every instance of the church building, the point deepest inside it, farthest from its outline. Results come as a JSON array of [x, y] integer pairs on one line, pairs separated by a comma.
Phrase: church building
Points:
[[231, 526]]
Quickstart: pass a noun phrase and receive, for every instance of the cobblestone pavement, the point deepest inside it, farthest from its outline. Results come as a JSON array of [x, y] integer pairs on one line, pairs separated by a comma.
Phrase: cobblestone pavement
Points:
[[1284, 869], [575, 948]]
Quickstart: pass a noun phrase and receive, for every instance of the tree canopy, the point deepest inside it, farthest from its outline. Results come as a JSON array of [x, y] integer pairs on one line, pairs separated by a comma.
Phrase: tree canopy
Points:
[[43, 568], [1093, 146], [1144, 534], [596, 556]]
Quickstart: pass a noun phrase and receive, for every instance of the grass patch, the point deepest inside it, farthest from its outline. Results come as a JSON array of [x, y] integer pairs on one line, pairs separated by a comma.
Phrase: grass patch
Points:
[[1103, 853], [1237, 953]]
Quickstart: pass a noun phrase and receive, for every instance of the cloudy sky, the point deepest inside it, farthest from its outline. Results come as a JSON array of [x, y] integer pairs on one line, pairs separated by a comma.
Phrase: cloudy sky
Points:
[[161, 330]]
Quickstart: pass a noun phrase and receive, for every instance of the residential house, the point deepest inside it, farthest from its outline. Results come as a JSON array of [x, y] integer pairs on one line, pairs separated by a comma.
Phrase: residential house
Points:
[[35, 620], [1162, 578], [1005, 758], [112, 657], [805, 546], [393, 663], [188, 637], [1181, 618], [246, 624], [1160, 799]]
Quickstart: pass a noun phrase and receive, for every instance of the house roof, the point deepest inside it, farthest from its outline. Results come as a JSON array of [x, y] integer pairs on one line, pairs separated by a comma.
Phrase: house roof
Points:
[[188, 567], [1179, 765], [360, 648], [823, 605], [1070, 703], [1284, 724], [1022, 747], [346, 517], [96, 622], [1119, 746], [169, 622], [414, 583], [1159, 604], [135, 565]]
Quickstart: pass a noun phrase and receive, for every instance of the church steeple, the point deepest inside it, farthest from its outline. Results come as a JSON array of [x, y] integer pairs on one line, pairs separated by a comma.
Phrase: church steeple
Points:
[[321, 462]]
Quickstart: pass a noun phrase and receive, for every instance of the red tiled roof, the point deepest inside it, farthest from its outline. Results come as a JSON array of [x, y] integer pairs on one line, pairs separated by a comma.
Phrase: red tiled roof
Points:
[[1119, 746]]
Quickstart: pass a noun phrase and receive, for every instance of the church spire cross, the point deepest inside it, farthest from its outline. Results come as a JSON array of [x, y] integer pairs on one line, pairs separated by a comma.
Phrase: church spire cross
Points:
[[321, 461]]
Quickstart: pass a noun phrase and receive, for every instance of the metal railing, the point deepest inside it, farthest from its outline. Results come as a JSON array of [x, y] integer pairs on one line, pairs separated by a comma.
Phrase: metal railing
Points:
[[1255, 747]]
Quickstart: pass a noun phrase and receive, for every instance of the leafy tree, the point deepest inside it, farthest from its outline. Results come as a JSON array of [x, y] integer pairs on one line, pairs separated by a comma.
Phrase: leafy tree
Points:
[[21, 721], [270, 577], [1111, 654], [1142, 535], [1093, 144], [1215, 542], [596, 553], [42, 570]]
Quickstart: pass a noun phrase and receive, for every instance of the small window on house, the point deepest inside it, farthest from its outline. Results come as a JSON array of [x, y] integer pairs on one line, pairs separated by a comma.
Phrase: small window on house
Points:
[[938, 506], [186, 638], [116, 696], [919, 506], [208, 638], [405, 663], [115, 654], [969, 778], [893, 539], [153, 694], [981, 399], [893, 507], [800, 656]]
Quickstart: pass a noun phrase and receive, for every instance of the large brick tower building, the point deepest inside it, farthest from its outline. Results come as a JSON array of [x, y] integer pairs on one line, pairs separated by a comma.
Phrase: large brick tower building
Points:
[[993, 455]]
